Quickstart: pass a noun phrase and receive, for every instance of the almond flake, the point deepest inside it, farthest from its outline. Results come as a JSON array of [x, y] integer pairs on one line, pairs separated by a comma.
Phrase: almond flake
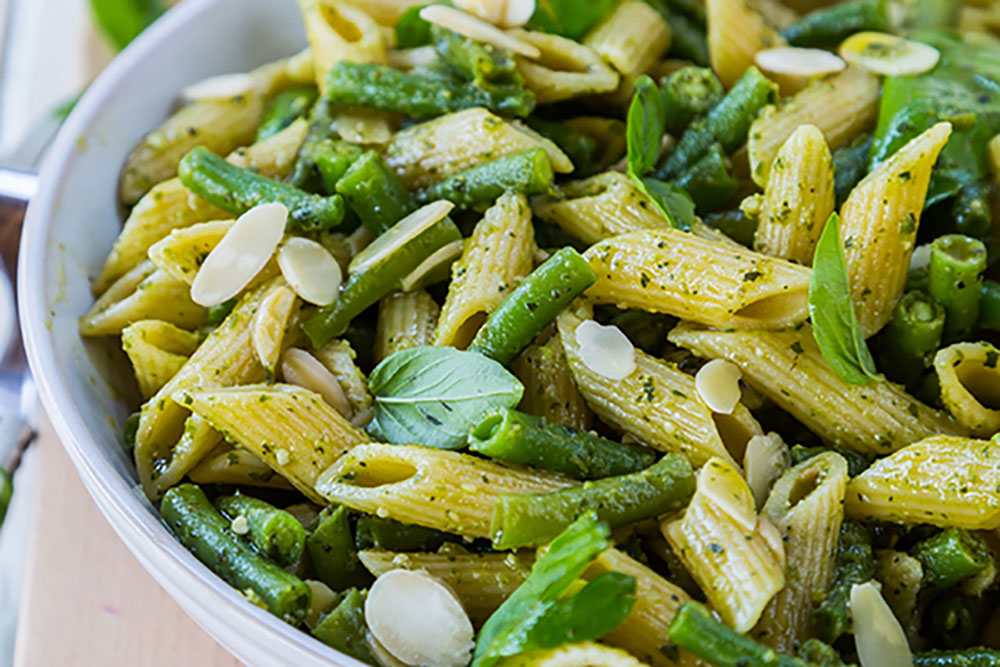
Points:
[[302, 369], [310, 270], [765, 457], [517, 13], [878, 636], [477, 29], [718, 385], [437, 264], [888, 55], [795, 61], [400, 234], [605, 350], [219, 87]]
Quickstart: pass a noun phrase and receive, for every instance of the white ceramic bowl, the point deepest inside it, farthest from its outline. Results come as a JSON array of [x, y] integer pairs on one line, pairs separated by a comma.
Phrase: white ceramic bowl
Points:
[[69, 229]]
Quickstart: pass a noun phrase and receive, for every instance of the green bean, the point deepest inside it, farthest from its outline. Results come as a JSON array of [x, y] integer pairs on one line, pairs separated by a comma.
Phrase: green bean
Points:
[[130, 428], [955, 279], [474, 61], [534, 518], [411, 30], [238, 190], [287, 106], [6, 491], [695, 142], [344, 627], [200, 528], [855, 565], [375, 193], [535, 303], [332, 553], [581, 148], [215, 315], [818, 654], [989, 306], [688, 93], [729, 120], [377, 533], [949, 557], [276, 533], [527, 171], [970, 657], [956, 620], [364, 289], [734, 224], [304, 173], [697, 631], [515, 437], [419, 95], [850, 165], [708, 180], [971, 210], [687, 39], [856, 463], [333, 159], [831, 25], [912, 336]]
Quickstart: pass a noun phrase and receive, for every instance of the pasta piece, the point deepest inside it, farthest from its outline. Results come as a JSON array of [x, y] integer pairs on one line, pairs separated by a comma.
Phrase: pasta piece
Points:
[[670, 271], [945, 481], [338, 357], [430, 152], [238, 467], [600, 207], [181, 252], [806, 506], [157, 351], [798, 199], [388, 12], [736, 558], [566, 69], [225, 358], [658, 404], [879, 224], [736, 32], [617, 40], [497, 256], [405, 320], [267, 330], [901, 575], [841, 106], [341, 31], [549, 389], [364, 126], [775, 12], [787, 367], [435, 488], [573, 655], [993, 155], [481, 581], [145, 293], [291, 429], [170, 205], [970, 385]]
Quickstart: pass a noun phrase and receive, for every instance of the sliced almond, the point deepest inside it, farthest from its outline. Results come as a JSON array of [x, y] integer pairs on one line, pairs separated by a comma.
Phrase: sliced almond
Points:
[[400, 234], [921, 257], [793, 67], [434, 268], [321, 599], [765, 457], [721, 485], [302, 369], [418, 619], [219, 87], [878, 636], [310, 270], [888, 55], [516, 13], [718, 385], [267, 329], [477, 29], [241, 253], [488, 10], [605, 350]]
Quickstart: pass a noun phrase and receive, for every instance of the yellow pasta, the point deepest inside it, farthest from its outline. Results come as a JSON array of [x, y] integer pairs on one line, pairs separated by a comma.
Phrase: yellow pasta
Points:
[[549, 388], [879, 223], [564, 70], [405, 320], [340, 31], [586, 654], [943, 480], [267, 330], [632, 38], [387, 12], [970, 385], [659, 405], [736, 32], [232, 465], [736, 558], [338, 358], [430, 152], [993, 155], [436, 488], [497, 256], [291, 429], [798, 199], [157, 351], [806, 506], [901, 575], [841, 106], [787, 367], [669, 271]]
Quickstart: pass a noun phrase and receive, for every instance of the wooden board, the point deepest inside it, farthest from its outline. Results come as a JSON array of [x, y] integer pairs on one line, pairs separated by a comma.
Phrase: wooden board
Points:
[[86, 600]]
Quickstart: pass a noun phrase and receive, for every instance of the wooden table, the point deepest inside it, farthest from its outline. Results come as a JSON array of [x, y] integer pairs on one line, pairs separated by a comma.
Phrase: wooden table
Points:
[[86, 600]]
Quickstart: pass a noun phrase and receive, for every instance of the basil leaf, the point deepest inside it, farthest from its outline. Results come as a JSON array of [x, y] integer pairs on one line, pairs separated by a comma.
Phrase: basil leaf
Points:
[[647, 121], [672, 200], [537, 616], [433, 396], [569, 18], [834, 324], [123, 20]]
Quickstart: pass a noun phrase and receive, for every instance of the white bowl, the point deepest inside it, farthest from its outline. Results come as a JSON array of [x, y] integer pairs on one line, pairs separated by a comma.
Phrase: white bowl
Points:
[[69, 229]]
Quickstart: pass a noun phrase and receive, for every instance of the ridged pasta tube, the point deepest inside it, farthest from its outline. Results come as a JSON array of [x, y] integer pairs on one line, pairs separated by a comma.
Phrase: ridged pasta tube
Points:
[[182, 252], [658, 404], [405, 320], [674, 272], [565, 69], [970, 385], [549, 389], [879, 224], [236, 466], [787, 367], [616, 40], [157, 350], [945, 481], [436, 488], [798, 199], [497, 256], [736, 32], [339, 31], [267, 330]]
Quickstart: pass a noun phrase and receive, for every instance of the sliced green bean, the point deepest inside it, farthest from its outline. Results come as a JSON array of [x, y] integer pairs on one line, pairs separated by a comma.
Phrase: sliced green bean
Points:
[[6, 491], [949, 557], [529, 172], [688, 93], [855, 565], [287, 106], [955, 280], [215, 315], [831, 25], [276, 533], [688, 40], [708, 180], [972, 211], [581, 148], [375, 193], [734, 224], [534, 518], [204, 531], [989, 306], [850, 165], [535, 303], [956, 621], [856, 463], [304, 173], [474, 61], [238, 190], [332, 552], [729, 121], [130, 428], [344, 627], [912, 336], [377, 533], [333, 159]]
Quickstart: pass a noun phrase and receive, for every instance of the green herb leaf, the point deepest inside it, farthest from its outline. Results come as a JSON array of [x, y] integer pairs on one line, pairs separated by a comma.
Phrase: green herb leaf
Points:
[[672, 200], [834, 324], [123, 20], [569, 18], [433, 396], [647, 121], [537, 616]]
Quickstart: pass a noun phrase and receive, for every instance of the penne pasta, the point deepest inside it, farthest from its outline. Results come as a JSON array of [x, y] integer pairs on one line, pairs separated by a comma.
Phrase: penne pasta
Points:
[[275, 315], [901, 575], [736, 32], [405, 320], [615, 39], [564, 70], [970, 385], [157, 350], [550, 391], [338, 31], [338, 357], [233, 465]]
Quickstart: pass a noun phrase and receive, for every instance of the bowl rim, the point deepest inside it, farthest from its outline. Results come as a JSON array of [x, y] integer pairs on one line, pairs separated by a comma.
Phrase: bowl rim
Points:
[[175, 568]]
